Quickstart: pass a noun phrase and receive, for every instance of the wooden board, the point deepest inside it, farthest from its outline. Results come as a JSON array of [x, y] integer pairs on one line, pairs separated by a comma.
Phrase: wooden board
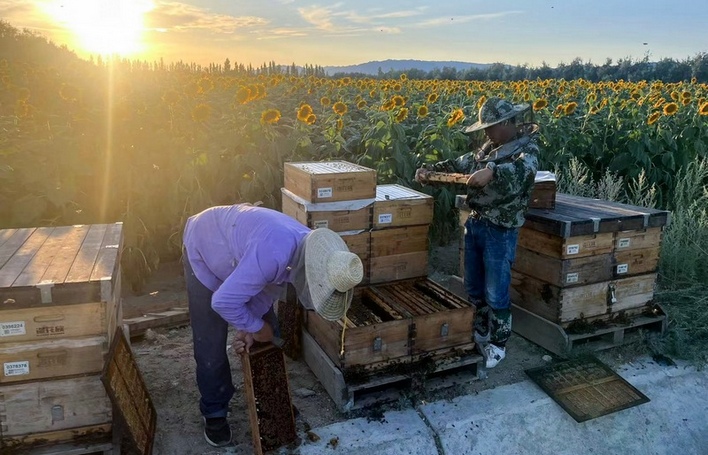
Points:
[[129, 395], [330, 181], [576, 215], [267, 394], [637, 240], [398, 253], [395, 267], [543, 195], [91, 439], [29, 361], [324, 215], [52, 406], [397, 206], [174, 317], [565, 247], [59, 265], [564, 272], [359, 243]]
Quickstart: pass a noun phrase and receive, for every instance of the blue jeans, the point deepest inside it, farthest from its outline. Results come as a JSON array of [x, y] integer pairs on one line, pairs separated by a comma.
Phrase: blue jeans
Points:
[[489, 254], [209, 334]]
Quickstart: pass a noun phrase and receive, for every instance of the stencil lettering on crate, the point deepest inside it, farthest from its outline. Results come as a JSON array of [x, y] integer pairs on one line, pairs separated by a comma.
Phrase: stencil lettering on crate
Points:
[[49, 330], [52, 359], [345, 185]]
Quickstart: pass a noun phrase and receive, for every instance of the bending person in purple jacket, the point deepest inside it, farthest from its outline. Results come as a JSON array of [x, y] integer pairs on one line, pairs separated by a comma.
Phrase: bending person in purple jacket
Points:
[[238, 259]]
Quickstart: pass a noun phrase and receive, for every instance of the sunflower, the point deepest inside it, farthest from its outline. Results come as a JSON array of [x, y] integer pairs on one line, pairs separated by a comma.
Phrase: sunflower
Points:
[[69, 92], [674, 96], [324, 101], [636, 95], [388, 105], [670, 109], [404, 77], [660, 102], [653, 118], [270, 116], [703, 110], [457, 116], [481, 101], [361, 104], [201, 112], [423, 111], [397, 87], [540, 104], [685, 95], [340, 124], [433, 97], [570, 108], [339, 108], [311, 119], [304, 112], [402, 115], [398, 100], [593, 110], [685, 101], [469, 93], [242, 95]]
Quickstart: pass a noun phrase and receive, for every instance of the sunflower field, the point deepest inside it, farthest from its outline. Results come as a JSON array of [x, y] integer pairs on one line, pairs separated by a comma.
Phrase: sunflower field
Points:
[[90, 143]]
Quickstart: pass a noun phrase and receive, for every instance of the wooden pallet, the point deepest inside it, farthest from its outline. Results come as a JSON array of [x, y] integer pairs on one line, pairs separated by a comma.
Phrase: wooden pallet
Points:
[[449, 369], [558, 340]]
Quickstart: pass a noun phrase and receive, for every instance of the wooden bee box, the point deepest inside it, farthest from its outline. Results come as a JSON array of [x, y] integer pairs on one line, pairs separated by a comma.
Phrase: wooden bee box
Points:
[[338, 216], [59, 410], [397, 206], [399, 253], [564, 305], [60, 294], [543, 194], [330, 181], [394, 323]]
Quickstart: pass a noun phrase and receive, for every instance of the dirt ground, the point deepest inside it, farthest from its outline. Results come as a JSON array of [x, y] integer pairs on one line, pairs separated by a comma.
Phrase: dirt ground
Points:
[[166, 363]]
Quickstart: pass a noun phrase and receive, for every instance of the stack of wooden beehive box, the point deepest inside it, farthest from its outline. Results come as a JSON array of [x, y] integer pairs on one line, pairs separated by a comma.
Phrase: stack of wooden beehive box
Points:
[[60, 295], [397, 315], [585, 266]]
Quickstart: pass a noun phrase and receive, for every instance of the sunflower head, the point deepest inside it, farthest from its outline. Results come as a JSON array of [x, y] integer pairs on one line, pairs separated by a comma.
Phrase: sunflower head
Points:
[[339, 108], [311, 119], [304, 112], [670, 108], [433, 97], [388, 105], [340, 124], [361, 104], [402, 115], [457, 116], [653, 118], [398, 100], [570, 108], [423, 111], [540, 103], [703, 110], [270, 116], [243, 95], [325, 101]]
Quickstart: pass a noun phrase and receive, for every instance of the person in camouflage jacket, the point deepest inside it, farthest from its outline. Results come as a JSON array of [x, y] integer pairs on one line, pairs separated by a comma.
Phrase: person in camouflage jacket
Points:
[[501, 178]]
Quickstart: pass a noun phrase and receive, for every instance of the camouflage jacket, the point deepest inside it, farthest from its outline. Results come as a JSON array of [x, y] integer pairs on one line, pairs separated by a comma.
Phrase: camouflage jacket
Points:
[[504, 200]]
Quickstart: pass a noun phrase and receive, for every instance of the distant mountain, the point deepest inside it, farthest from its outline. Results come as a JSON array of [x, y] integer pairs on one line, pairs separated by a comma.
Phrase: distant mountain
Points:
[[372, 68]]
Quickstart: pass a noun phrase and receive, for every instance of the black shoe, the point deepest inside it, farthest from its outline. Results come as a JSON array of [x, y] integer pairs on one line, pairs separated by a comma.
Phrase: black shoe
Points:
[[217, 431]]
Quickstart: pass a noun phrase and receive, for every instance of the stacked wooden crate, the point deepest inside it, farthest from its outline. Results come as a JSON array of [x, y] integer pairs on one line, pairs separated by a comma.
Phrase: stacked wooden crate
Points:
[[398, 316], [60, 294], [582, 266]]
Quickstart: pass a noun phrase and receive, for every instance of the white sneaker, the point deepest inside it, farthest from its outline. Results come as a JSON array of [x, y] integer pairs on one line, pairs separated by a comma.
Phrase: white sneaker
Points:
[[493, 355], [479, 339]]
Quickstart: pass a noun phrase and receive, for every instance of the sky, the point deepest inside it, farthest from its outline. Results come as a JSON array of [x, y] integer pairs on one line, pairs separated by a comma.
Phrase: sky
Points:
[[339, 33]]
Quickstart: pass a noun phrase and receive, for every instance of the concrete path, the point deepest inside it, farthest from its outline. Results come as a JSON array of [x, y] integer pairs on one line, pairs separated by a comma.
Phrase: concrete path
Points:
[[521, 419]]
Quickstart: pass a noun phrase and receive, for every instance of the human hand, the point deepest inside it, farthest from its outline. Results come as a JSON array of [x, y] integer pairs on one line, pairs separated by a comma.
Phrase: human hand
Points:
[[265, 334], [242, 342], [421, 175], [480, 178]]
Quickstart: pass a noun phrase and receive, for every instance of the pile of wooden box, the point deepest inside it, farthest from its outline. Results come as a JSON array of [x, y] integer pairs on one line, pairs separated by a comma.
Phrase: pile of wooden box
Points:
[[60, 306], [583, 268], [398, 315]]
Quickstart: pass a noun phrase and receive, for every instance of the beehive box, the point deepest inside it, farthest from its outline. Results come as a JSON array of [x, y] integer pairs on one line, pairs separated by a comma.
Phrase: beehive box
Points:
[[586, 259], [74, 409], [394, 323], [60, 294], [330, 181], [339, 216], [397, 206], [543, 194], [398, 253]]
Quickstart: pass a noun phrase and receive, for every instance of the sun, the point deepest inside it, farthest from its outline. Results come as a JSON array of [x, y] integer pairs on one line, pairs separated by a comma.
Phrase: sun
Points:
[[103, 26]]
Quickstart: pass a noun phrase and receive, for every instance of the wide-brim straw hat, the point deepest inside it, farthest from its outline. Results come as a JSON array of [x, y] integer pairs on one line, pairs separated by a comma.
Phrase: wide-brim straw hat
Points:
[[331, 273], [495, 110]]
